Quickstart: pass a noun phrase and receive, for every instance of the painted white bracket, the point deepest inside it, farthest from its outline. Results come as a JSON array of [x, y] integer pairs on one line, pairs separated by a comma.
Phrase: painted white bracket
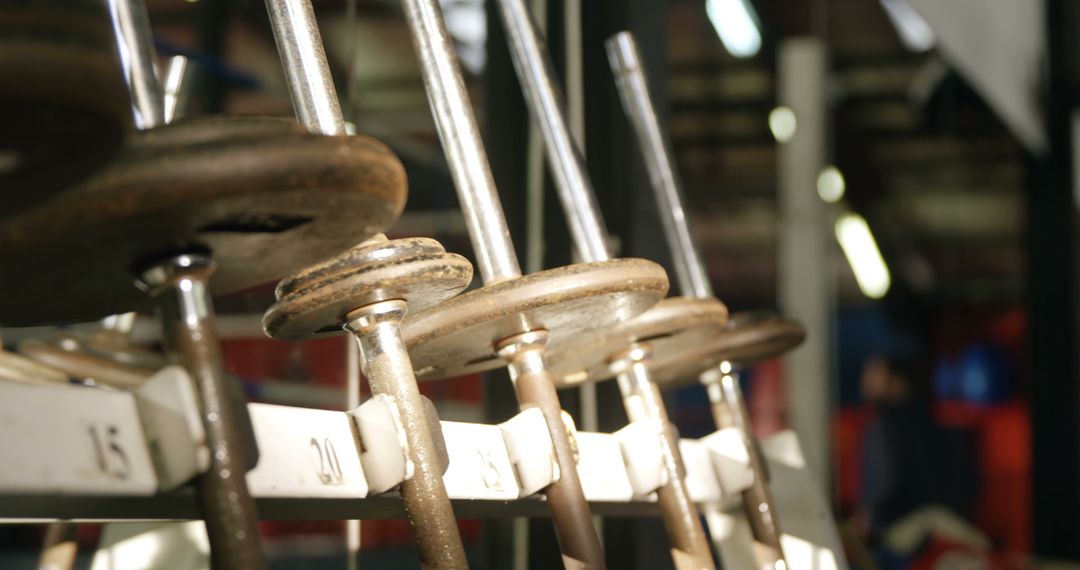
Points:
[[642, 455], [528, 443], [480, 467], [173, 427], [731, 461], [384, 451], [701, 479], [601, 468], [809, 536], [305, 453], [72, 440]]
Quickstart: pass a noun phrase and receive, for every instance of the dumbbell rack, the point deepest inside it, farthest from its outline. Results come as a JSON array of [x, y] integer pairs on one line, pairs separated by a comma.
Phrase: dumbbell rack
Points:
[[115, 455]]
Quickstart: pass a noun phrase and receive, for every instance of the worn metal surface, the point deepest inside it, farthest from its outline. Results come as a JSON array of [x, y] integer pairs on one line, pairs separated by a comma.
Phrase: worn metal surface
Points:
[[674, 326], [458, 336], [262, 195], [63, 103], [578, 542], [314, 301], [748, 339], [179, 287], [75, 362], [18, 368]]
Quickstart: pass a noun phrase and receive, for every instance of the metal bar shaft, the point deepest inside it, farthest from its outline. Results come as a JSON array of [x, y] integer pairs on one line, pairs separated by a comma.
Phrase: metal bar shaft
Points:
[[634, 93], [461, 142], [542, 94], [386, 364], [300, 46], [641, 397], [135, 43], [570, 513], [179, 286], [729, 410]]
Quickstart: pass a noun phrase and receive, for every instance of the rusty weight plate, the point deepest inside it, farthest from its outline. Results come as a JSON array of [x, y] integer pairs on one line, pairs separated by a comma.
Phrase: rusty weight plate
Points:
[[18, 368], [314, 301], [116, 346], [264, 196], [674, 326], [749, 338], [76, 363], [458, 336], [64, 106]]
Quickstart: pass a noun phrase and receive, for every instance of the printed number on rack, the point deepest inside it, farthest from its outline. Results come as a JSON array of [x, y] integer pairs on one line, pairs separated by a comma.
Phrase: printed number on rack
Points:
[[479, 465], [490, 471], [327, 462], [305, 453], [111, 458], [73, 440]]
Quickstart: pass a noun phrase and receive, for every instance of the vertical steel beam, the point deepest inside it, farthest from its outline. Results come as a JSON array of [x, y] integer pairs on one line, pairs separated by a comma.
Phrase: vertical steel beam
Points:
[[803, 253]]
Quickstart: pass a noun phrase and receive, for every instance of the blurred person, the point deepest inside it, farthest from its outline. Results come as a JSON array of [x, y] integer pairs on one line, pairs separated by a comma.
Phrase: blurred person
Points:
[[910, 460]]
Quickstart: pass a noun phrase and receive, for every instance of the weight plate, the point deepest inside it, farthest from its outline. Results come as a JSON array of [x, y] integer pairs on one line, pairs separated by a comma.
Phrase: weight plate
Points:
[[264, 196], [458, 336]]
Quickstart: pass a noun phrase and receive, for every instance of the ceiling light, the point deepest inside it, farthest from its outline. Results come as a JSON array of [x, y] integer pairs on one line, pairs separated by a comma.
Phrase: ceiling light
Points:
[[830, 184], [863, 255], [782, 123], [737, 25], [914, 32]]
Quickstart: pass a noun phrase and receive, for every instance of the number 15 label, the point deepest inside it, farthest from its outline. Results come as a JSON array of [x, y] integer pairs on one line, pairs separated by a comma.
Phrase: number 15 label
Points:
[[73, 440]]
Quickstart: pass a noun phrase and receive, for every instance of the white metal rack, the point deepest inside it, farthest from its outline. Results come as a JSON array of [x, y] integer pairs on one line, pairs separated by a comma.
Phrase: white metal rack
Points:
[[75, 453]]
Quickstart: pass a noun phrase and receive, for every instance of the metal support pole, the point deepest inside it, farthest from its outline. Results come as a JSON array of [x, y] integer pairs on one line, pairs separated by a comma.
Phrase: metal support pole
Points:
[[352, 401], [725, 394], [179, 286], [1052, 302], [498, 262], [805, 242]]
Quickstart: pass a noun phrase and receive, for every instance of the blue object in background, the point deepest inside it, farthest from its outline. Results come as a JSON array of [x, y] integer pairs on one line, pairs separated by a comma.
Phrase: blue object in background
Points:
[[984, 375], [980, 375]]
